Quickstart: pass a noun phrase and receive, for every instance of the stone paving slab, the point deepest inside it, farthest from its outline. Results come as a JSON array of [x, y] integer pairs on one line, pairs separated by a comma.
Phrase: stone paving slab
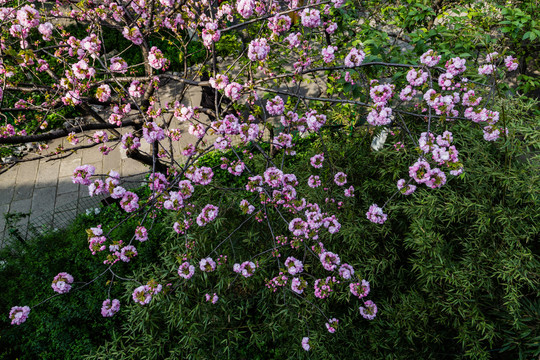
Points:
[[43, 201], [47, 173]]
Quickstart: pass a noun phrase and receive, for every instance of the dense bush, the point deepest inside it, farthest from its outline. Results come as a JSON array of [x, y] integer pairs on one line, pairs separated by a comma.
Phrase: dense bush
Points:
[[69, 326], [454, 272]]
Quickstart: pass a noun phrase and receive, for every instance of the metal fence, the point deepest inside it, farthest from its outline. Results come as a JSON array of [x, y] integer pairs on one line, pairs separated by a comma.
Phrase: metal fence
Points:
[[19, 229]]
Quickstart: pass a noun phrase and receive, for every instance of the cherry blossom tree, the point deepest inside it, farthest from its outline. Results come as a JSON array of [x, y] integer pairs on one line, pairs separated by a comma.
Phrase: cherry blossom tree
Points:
[[62, 75]]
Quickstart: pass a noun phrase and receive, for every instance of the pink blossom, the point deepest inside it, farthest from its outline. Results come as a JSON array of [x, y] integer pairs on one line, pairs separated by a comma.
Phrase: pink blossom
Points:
[[210, 34], [186, 270], [380, 116], [354, 58], [436, 178], [275, 106], [359, 290], [407, 93], [491, 133], [332, 27], [314, 181], [207, 264], [62, 283], [273, 177], [369, 310], [245, 8], [471, 99], [329, 260], [46, 30], [152, 132], [109, 308], [82, 70], [419, 171], [349, 192], [380, 94], [323, 288], [246, 269], [311, 18], [294, 266], [118, 65], [136, 89], [305, 343], [129, 202], [511, 63], [456, 66], [328, 54], [234, 91], [293, 40], [141, 233], [219, 82], [258, 50], [246, 207], [298, 227], [133, 34], [406, 189], [332, 325], [72, 98], [19, 314], [203, 175], [430, 58], [213, 298], [317, 160], [298, 285], [338, 3], [208, 214], [346, 271], [127, 253], [376, 215], [157, 182], [340, 178], [156, 58], [129, 141], [142, 295], [28, 16], [417, 77], [82, 174], [279, 23], [103, 93], [486, 69]]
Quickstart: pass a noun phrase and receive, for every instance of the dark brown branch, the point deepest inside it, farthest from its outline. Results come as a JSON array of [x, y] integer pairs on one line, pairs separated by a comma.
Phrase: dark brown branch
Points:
[[56, 134]]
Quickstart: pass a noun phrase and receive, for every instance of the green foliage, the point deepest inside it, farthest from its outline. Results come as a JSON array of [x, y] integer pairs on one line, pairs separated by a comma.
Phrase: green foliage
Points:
[[453, 271], [70, 325]]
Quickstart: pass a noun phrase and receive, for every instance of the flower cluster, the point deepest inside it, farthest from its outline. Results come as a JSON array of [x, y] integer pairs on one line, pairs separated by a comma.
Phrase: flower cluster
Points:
[[275, 106], [110, 307], [19, 314], [375, 214], [369, 310], [246, 269], [62, 283], [294, 266], [207, 264], [156, 58], [258, 50]]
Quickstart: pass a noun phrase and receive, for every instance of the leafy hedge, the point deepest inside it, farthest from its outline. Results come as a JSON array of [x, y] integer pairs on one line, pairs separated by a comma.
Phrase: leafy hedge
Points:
[[68, 326], [453, 271]]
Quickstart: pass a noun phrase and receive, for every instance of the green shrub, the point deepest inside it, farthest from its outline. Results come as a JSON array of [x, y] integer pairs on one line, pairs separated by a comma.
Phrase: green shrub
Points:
[[453, 271], [70, 325]]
